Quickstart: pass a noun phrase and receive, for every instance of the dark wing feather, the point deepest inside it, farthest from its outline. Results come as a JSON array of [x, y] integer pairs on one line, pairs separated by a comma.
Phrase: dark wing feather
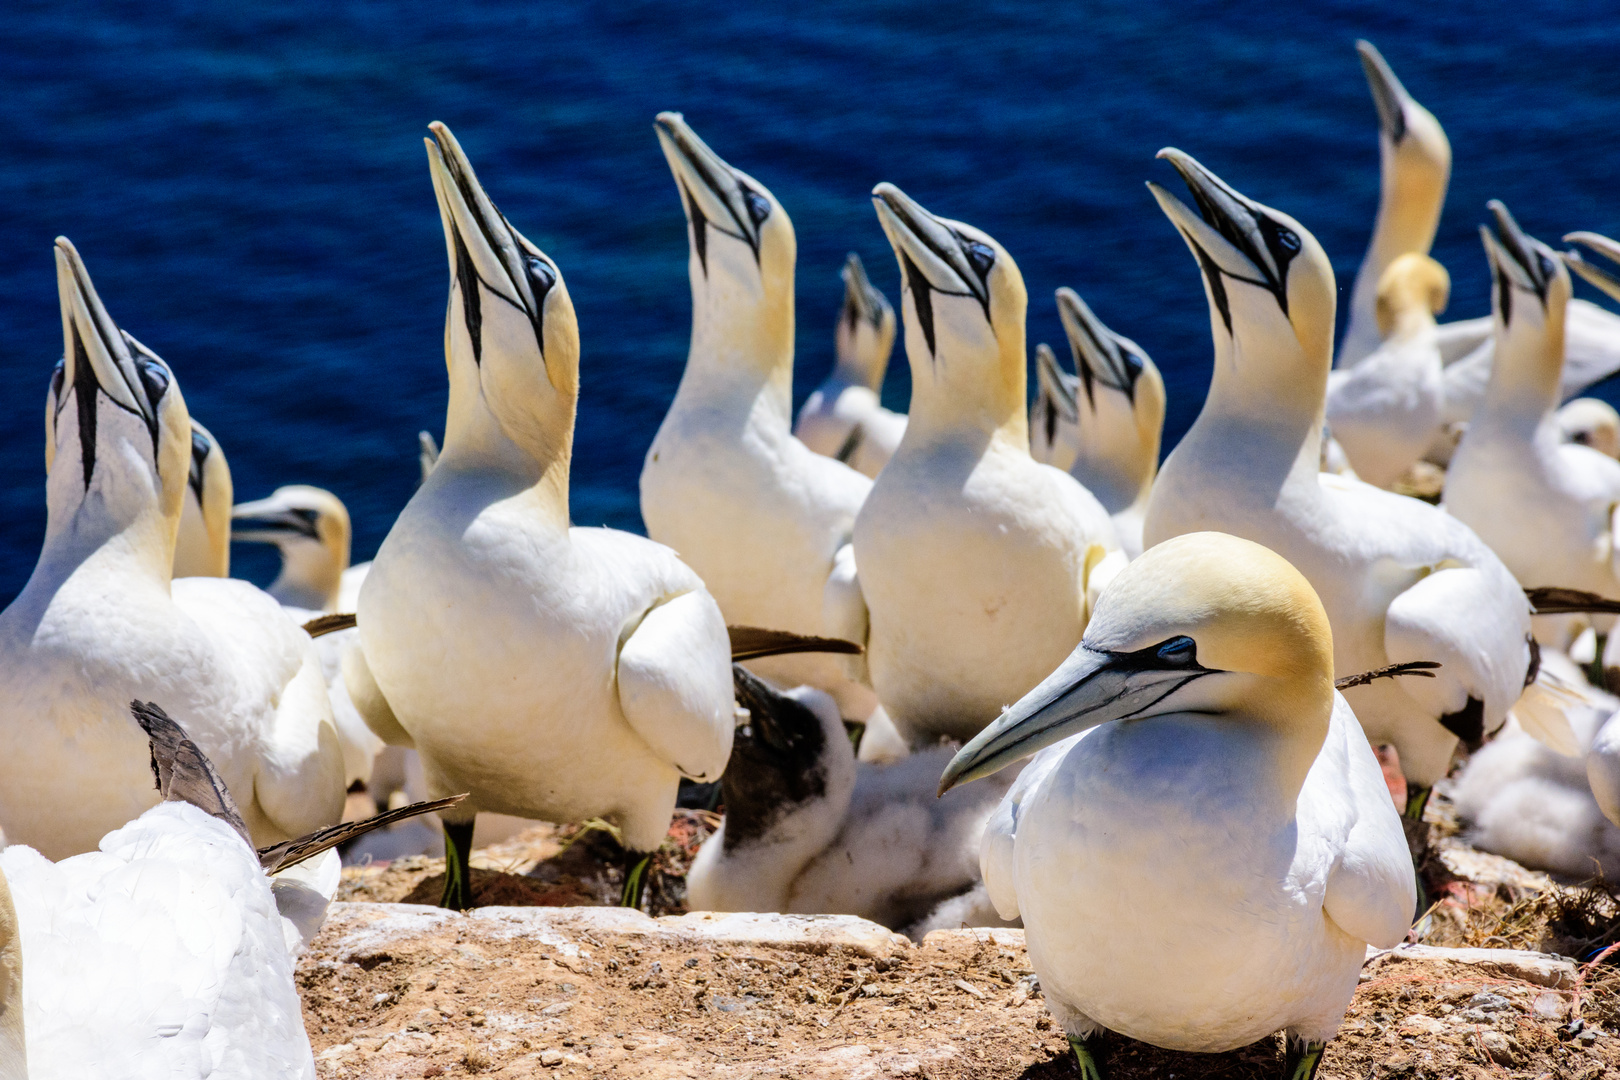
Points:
[[1554, 600], [1423, 669], [182, 771], [753, 642], [321, 625], [278, 857]]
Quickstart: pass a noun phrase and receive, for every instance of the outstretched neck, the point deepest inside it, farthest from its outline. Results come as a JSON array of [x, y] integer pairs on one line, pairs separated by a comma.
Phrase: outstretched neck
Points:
[[477, 447], [741, 350], [310, 577]]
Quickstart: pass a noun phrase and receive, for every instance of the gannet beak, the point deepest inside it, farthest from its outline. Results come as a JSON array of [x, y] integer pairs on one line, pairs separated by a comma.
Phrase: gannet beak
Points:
[[715, 194], [96, 352], [1057, 385], [1604, 246], [862, 301], [1519, 259], [272, 520], [1089, 688], [1389, 95], [488, 258], [1100, 355]]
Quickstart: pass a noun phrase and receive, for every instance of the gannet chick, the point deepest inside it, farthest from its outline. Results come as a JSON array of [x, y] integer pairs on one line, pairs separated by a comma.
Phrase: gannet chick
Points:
[[843, 417], [1205, 800], [1590, 422], [808, 829], [309, 527], [203, 548], [1120, 418], [974, 559], [1385, 411], [99, 621], [1400, 579], [633, 687], [1414, 168], [1544, 505], [760, 516]]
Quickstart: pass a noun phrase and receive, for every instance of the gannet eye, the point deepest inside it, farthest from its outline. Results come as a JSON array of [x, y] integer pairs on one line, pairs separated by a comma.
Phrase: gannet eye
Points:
[[979, 256], [541, 276], [759, 207], [154, 379], [56, 378], [1179, 652]]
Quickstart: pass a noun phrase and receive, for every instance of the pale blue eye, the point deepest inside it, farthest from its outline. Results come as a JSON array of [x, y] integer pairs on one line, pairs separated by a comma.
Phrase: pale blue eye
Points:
[[1179, 651]]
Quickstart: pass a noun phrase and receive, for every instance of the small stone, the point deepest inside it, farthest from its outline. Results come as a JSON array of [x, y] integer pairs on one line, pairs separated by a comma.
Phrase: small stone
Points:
[[1501, 1049], [551, 1058], [630, 1044], [691, 962], [1550, 1006], [1418, 1024]]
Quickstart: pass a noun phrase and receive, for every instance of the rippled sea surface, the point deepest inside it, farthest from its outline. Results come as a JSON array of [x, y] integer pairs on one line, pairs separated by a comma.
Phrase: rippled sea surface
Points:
[[248, 186]]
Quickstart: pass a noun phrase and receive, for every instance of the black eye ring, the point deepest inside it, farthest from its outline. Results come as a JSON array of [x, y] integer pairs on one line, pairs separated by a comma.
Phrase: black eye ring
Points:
[[541, 276], [1178, 651]]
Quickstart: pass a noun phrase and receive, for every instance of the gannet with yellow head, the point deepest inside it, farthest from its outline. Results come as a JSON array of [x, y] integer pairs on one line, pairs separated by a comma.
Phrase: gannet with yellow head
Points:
[[100, 621], [761, 517], [1201, 793], [203, 548], [565, 673], [843, 418], [1385, 411], [1400, 579], [975, 560], [1546, 506], [1590, 422]]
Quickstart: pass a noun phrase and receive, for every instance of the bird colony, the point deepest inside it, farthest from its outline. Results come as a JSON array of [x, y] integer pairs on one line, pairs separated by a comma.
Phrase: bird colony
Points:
[[988, 662]]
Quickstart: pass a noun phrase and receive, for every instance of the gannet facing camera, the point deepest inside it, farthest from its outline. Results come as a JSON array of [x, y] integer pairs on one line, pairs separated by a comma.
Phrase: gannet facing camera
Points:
[[1414, 168], [1119, 418], [99, 621], [566, 673], [1544, 505], [843, 417], [203, 547], [1206, 847], [974, 560], [808, 829], [1590, 422], [1385, 411], [763, 519], [1401, 580]]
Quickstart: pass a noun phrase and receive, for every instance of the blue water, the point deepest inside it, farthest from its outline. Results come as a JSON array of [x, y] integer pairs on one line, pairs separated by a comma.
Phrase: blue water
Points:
[[248, 186]]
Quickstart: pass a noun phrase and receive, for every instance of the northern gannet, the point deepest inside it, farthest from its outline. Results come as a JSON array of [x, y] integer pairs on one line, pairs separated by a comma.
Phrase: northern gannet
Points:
[[309, 527], [1414, 168], [1385, 411], [1400, 579], [843, 417], [1545, 506], [203, 547], [1205, 795], [808, 829], [1590, 422], [1119, 409], [1054, 422], [763, 519], [974, 560], [565, 673], [99, 621]]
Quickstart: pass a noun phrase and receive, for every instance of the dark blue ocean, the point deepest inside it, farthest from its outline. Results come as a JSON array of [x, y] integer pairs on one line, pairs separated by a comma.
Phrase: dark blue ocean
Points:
[[248, 186]]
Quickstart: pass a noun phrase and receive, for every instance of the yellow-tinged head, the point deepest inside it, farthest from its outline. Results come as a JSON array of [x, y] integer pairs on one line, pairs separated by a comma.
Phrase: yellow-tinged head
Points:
[[1413, 286], [1531, 289]]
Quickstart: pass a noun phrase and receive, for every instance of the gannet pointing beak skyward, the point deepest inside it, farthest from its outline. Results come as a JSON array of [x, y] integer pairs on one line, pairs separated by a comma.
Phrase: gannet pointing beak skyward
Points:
[[1401, 580], [203, 548], [1220, 806], [976, 562]]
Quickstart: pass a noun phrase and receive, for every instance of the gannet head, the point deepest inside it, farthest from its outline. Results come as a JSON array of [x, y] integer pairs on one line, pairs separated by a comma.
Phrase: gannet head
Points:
[[964, 304], [742, 250], [1054, 433], [117, 434], [511, 337], [310, 528], [1119, 403], [1414, 151], [1609, 249], [1590, 422], [1530, 290], [1269, 283], [203, 548], [1411, 292], [1204, 623], [866, 327]]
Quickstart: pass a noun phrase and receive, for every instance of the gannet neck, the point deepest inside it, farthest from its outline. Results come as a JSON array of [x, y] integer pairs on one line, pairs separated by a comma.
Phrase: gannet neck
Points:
[[1530, 294], [203, 548], [964, 303], [865, 333], [1414, 170], [742, 342]]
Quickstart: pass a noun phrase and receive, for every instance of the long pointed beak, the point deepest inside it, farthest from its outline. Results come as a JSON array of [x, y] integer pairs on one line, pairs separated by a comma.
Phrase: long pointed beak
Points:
[[1525, 261], [712, 191], [92, 344], [1088, 689], [862, 300], [1056, 384], [1100, 355], [271, 521], [1389, 96], [477, 236], [1596, 275], [929, 244]]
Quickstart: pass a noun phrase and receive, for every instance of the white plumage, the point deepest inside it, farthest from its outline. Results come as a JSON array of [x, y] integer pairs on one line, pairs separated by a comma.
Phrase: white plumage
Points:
[[1590, 422], [976, 563], [98, 622], [1209, 798], [843, 417], [1401, 580]]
